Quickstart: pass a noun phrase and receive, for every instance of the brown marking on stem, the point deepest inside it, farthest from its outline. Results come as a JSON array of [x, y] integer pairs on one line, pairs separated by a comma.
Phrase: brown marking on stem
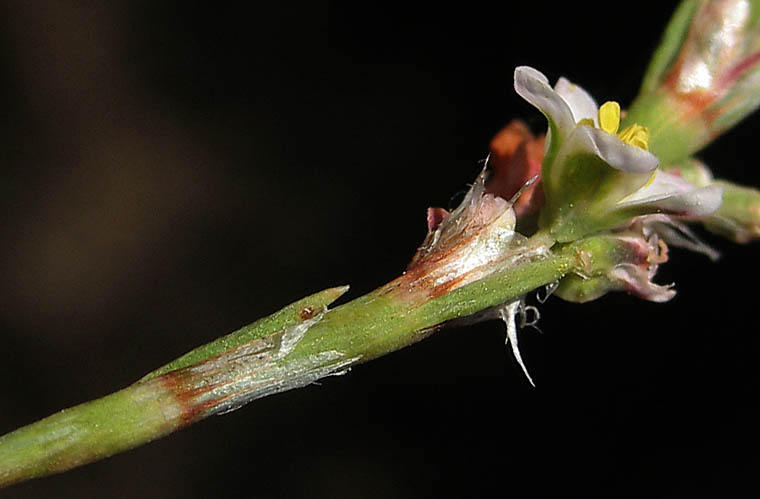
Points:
[[190, 385], [307, 313], [178, 383], [420, 279]]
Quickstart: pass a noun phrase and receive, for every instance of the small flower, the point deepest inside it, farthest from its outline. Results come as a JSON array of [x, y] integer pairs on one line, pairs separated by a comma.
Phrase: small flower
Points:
[[629, 264], [596, 177], [475, 240]]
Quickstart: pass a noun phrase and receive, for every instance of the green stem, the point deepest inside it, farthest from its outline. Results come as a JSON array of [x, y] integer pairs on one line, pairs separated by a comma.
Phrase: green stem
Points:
[[86, 433], [233, 373]]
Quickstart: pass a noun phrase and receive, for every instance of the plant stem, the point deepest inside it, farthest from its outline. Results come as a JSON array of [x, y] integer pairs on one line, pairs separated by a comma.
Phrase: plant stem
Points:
[[291, 348]]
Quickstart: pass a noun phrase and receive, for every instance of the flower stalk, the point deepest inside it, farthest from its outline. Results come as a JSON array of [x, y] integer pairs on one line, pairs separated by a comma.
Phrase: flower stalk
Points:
[[599, 197], [315, 342]]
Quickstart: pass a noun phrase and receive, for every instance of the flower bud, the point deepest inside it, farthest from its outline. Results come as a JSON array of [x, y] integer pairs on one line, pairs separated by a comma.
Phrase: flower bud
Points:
[[703, 78], [475, 240], [628, 263], [738, 218]]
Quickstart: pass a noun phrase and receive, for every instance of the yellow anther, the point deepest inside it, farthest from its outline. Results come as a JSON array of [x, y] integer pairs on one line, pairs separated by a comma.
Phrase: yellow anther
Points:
[[651, 179], [609, 121], [635, 135], [609, 117]]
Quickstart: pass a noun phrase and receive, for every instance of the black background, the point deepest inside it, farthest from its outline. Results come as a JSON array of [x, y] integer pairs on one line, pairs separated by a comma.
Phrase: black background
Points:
[[174, 170]]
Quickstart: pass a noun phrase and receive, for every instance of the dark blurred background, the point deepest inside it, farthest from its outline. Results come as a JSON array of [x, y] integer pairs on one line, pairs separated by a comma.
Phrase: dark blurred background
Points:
[[170, 171]]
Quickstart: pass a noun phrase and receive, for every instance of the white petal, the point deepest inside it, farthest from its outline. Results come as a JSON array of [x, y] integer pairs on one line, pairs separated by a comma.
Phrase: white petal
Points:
[[533, 86], [664, 185], [610, 149], [693, 203], [578, 183], [582, 105]]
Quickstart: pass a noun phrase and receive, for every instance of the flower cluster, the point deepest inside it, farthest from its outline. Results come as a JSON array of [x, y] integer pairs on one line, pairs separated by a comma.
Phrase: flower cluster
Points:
[[596, 178], [587, 178]]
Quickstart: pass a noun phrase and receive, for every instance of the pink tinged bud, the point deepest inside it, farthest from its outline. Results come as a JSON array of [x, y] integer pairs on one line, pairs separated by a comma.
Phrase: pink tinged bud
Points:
[[703, 78], [717, 52], [630, 265], [713, 52], [635, 276], [475, 240], [635, 280]]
